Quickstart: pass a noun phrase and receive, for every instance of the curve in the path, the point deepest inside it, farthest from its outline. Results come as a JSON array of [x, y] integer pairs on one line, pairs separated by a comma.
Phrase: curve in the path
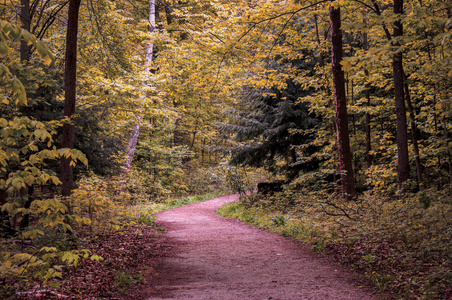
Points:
[[218, 258]]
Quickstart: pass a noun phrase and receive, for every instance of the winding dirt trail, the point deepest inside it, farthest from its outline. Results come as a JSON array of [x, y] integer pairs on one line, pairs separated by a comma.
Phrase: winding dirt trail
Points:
[[218, 258]]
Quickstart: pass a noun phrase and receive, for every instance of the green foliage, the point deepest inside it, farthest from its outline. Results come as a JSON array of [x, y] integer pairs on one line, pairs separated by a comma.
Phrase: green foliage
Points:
[[271, 123], [92, 199], [280, 220], [61, 235], [201, 180], [241, 180], [42, 250], [125, 280], [27, 149], [236, 181]]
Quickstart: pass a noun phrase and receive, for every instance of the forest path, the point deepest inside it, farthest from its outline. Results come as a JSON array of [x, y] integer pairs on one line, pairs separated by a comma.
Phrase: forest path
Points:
[[218, 258]]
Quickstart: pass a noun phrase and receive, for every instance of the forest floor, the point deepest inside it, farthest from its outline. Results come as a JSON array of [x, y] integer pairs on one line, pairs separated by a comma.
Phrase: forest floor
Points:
[[216, 258]]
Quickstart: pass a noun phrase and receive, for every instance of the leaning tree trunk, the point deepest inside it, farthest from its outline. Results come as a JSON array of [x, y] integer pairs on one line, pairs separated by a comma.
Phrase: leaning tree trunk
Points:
[[148, 60], [399, 95], [70, 77], [343, 140]]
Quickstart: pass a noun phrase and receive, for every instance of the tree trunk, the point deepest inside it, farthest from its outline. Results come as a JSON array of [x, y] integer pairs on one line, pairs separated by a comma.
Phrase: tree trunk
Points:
[[25, 54], [367, 86], [397, 68], [439, 179], [449, 156], [25, 18], [343, 140], [169, 14], [417, 157], [70, 77], [148, 60], [6, 229], [28, 200]]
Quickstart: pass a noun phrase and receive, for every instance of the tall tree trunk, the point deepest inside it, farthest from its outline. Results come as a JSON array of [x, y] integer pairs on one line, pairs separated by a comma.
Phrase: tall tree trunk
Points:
[[397, 69], [343, 140], [417, 157], [449, 155], [178, 135], [25, 18], [25, 54], [367, 86], [148, 60], [169, 14], [70, 80], [438, 157]]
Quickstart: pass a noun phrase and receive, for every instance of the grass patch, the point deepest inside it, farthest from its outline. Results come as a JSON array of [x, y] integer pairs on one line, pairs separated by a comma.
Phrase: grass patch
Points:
[[173, 203], [125, 280], [145, 212]]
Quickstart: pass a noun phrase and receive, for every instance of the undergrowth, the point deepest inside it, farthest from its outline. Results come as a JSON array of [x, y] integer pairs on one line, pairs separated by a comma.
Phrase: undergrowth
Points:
[[69, 235], [401, 245]]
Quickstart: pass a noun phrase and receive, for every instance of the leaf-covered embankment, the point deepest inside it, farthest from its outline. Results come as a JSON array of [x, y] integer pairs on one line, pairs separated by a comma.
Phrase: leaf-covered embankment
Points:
[[108, 259], [401, 246]]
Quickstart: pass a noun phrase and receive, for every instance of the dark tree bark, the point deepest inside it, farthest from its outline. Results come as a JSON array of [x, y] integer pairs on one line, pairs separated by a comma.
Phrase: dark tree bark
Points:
[[6, 229], [25, 18], [399, 95], [368, 130], [29, 199], [25, 54], [169, 14], [70, 78], [343, 140], [417, 157], [449, 155]]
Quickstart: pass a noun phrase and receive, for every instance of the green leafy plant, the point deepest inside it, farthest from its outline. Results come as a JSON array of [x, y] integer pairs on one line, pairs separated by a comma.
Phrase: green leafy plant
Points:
[[279, 220]]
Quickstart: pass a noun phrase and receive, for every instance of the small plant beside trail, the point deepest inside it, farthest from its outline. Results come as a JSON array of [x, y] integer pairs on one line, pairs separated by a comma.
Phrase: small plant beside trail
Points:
[[125, 280], [401, 245], [241, 180], [280, 220]]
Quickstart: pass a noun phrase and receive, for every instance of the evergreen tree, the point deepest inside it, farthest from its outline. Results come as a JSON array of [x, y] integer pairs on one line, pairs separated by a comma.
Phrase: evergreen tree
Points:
[[268, 127]]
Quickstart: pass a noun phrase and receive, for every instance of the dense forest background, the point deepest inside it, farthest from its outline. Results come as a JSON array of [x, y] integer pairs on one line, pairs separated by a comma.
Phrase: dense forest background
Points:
[[112, 108]]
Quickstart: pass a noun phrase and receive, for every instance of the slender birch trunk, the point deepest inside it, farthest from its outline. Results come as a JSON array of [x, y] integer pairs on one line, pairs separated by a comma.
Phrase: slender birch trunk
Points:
[[148, 60]]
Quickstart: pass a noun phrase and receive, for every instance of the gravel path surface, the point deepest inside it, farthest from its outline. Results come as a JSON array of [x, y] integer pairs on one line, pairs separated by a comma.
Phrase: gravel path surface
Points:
[[218, 258]]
